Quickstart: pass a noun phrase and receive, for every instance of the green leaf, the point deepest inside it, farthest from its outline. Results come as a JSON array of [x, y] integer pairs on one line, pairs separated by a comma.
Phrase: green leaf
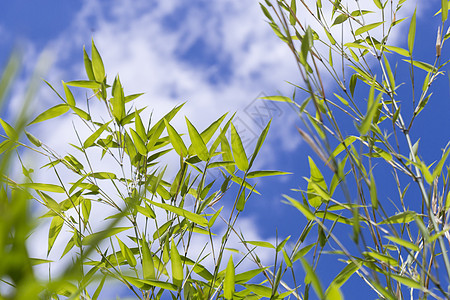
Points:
[[238, 150], [247, 275], [302, 252], [301, 207], [444, 10], [118, 102], [88, 65], [378, 4], [89, 84], [69, 96], [148, 267], [346, 273], [9, 130], [228, 284], [278, 98], [138, 142], [366, 28], [372, 107], [197, 142], [55, 228], [307, 43], [259, 143], [317, 187], [103, 175], [403, 243], [97, 64], [403, 217], [406, 280], [311, 278], [93, 137], [127, 253], [176, 140], [340, 19], [183, 213], [264, 173], [34, 140], [373, 193], [412, 33], [51, 113], [177, 267], [46, 187], [146, 284], [261, 244], [95, 237], [383, 257], [437, 171], [81, 113], [259, 290], [422, 65]]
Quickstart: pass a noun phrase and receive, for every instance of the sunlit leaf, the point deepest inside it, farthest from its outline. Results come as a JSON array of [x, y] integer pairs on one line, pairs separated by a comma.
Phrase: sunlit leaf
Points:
[[55, 228], [177, 267], [368, 27], [228, 284], [97, 64], [238, 150], [51, 113]]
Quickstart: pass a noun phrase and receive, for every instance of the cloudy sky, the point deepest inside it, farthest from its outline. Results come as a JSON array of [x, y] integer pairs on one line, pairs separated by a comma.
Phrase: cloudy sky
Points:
[[219, 56]]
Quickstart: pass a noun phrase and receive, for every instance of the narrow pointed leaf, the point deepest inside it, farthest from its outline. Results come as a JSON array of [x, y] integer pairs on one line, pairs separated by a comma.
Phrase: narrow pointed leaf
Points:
[[97, 64], [228, 284], [238, 150], [177, 267], [197, 142], [55, 228], [51, 113], [175, 140]]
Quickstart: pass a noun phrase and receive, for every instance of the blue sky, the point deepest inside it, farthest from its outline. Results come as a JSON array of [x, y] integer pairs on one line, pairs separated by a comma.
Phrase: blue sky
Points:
[[218, 56]]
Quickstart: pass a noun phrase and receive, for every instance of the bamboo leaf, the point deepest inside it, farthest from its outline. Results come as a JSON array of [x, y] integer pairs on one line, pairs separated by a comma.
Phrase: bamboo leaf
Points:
[[148, 267], [88, 65], [382, 257], [89, 84], [197, 142], [97, 64], [403, 217], [69, 96], [366, 28], [138, 142], [259, 143], [412, 33], [95, 237], [301, 207], [127, 253], [403, 243], [118, 100], [93, 137], [302, 252], [264, 173], [228, 284], [197, 219], [261, 244], [55, 228], [311, 278], [9, 130], [238, 150], [46, 187], [278, 98], [176, 140], [406, 280], [51, 113], [177, 267]]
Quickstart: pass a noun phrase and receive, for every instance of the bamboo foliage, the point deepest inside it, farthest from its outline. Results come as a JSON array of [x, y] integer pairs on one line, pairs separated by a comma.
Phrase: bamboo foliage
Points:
[[397, 246]]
